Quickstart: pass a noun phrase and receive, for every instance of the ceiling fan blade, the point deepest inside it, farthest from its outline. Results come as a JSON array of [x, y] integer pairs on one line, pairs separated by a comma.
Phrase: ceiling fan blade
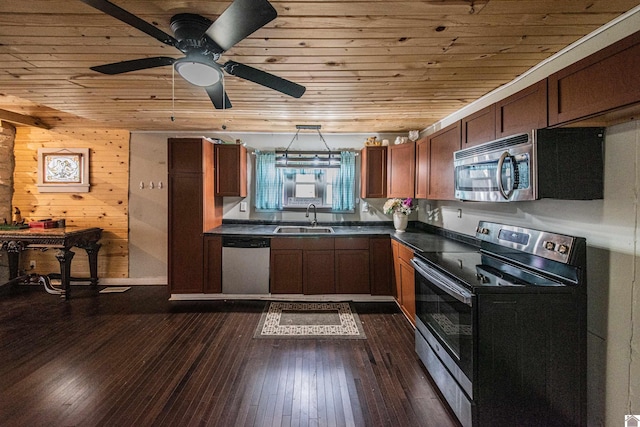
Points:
[[239, 20], [129, 18], [265, 79], [133, 65], [216, 94]]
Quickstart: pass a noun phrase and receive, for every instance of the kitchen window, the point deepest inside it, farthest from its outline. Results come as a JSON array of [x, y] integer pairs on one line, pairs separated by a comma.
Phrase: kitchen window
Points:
[[291, 181]]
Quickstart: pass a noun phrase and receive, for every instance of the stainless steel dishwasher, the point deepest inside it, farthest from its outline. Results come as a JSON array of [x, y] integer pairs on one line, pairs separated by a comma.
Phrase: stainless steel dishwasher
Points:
[[245, 265]]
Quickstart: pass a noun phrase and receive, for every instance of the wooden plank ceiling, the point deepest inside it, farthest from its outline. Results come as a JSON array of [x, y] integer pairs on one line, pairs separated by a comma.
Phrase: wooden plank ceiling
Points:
[[368, 66]]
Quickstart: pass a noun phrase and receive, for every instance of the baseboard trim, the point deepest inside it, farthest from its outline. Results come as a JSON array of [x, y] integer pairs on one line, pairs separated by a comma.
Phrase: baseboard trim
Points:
[[283, 297]]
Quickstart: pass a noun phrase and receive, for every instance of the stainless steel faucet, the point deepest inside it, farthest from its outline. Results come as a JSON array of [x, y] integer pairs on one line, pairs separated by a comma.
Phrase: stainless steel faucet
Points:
[[314, 222]]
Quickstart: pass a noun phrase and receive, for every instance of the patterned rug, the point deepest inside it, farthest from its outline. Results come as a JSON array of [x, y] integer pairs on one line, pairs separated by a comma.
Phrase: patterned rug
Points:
[[331, 320]]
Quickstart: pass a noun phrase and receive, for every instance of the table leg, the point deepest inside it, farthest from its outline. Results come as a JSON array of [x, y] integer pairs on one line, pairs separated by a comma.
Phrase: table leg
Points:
[[64, 257], [92, 253], [13, 248]]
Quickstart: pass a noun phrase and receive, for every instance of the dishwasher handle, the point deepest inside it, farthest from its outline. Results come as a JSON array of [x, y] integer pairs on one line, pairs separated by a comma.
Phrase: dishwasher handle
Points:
[[245, 242]]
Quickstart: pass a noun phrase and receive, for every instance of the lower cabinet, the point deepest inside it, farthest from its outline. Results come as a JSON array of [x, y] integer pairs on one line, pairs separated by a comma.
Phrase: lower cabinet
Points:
[[318, 266], [405, 279], [352, 265], [285, 272], [212, 265], [328, 265], [380, 266]]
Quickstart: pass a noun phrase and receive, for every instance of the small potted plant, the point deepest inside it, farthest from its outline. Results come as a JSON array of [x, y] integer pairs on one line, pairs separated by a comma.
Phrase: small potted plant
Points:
[[401, 209]]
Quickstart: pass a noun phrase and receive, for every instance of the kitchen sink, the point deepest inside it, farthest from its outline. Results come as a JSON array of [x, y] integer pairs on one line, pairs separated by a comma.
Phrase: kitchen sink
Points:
[[296, 229]]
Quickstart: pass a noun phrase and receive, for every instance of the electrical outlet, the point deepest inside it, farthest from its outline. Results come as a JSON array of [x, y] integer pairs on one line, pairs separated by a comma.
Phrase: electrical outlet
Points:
[[32, 264], [459, 213]]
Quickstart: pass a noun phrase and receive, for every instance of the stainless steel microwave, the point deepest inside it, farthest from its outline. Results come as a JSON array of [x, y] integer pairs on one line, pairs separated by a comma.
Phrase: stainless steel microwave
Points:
[[563, 163]]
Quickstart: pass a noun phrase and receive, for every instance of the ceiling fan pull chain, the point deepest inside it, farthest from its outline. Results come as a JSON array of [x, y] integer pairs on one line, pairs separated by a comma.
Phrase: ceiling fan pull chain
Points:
[[173, 94]]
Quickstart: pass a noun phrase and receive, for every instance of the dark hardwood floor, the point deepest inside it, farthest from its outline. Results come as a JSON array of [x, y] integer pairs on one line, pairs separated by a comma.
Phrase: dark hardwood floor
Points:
[[136, 359]]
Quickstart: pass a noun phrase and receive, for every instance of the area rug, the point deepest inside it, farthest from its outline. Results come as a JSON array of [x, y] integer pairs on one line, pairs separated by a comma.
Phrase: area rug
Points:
[[330, 320]]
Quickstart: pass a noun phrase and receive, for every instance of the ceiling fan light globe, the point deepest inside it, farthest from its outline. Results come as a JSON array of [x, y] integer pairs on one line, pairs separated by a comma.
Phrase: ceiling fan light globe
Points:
[[198, 73]]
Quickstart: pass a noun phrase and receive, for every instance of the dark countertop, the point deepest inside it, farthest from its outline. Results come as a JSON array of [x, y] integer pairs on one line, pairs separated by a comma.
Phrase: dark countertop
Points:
[[420, 240]]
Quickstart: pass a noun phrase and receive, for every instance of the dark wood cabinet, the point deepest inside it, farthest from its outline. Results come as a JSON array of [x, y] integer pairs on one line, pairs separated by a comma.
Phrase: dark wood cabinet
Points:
[[373, 172], [380, 266], [404, 279], [422, 168], [479, 127], [604, 81], [442, 145], [523, 111], [352, 265], [212, 265], [401, 170], [192, 210], [330, 265], [230, 170], [318, 266], [286, 266]]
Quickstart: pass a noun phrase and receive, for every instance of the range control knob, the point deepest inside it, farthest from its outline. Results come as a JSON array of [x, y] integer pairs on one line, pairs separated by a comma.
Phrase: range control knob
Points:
[[482, 278], [563, 249], [550, 246]]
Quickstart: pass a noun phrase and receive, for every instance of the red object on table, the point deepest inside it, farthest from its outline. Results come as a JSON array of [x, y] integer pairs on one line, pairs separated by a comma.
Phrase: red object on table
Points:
[[42, 224]]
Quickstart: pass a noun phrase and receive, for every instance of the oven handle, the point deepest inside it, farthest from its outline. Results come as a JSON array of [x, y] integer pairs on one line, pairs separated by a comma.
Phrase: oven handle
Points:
[[444, 283]]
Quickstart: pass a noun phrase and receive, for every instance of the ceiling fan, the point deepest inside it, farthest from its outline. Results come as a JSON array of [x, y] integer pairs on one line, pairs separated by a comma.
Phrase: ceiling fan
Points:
[[203, 42]]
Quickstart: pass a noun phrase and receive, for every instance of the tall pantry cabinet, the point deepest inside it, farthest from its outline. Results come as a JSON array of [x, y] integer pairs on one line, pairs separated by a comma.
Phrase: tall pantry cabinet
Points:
[[193, 209]]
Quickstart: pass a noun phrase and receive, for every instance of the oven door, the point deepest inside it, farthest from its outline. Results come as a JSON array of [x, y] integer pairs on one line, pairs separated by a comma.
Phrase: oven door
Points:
[[444, 310], [497, 176]]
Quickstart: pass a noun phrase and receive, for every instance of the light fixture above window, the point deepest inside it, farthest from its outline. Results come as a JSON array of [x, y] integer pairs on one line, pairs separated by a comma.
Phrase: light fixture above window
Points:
[[198, 70]]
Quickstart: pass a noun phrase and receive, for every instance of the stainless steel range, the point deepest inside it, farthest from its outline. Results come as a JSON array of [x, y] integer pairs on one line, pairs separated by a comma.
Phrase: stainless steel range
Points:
[[502, 330]]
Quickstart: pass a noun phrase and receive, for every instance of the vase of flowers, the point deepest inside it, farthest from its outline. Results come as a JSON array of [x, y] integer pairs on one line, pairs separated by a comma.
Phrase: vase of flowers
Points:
[[400, 208]]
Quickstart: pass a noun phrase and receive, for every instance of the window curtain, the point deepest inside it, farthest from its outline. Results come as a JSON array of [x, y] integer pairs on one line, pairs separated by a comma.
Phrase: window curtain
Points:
[[344, 183], [268, 182]]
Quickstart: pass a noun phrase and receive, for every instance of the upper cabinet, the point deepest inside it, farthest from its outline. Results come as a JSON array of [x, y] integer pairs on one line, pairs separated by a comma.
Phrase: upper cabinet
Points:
[[523, 111], [231, 170], [401, 170], [442, 145], [479, 127], [607, 80], [373, 172]]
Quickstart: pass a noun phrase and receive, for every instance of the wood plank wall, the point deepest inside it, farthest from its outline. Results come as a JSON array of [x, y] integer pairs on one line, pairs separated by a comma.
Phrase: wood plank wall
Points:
[[104, 206]]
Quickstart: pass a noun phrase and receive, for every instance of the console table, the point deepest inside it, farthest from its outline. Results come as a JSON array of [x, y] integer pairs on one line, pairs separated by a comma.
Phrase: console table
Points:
[[62, 239]]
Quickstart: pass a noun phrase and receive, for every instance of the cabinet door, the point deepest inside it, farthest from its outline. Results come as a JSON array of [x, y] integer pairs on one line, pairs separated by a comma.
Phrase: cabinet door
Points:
[[286, 271], [381, 266], [395, 246], [231, 170], [373, 172], [318, 273], [212, 264], [185, 248], [601, 82], [408, 287], [185, 155], [401, 170], [479, 127], [442, 145], [522, 111], [422, 168], [352, 271]]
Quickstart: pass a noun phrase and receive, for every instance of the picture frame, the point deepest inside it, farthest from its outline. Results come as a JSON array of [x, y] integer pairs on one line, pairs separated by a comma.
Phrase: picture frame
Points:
[[63, 170]]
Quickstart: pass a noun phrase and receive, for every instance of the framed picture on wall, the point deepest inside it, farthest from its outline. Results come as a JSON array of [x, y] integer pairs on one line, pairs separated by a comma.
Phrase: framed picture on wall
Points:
[[63, 170]]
